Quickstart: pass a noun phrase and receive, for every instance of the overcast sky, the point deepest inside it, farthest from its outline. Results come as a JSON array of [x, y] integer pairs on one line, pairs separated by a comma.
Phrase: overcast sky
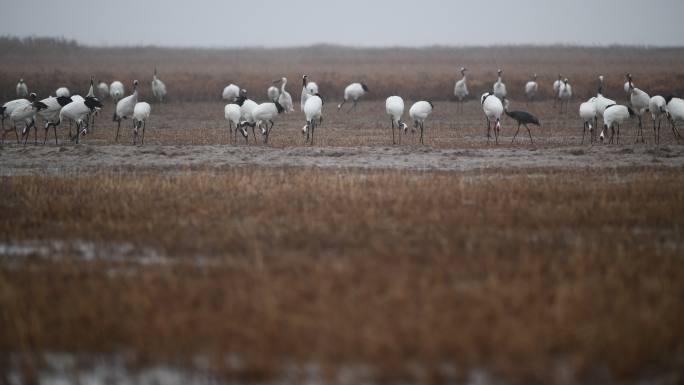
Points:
[[350, 22]]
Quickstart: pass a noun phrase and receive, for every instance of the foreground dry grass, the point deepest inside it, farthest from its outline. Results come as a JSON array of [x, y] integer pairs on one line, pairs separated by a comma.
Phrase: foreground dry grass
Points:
[[389, 269]]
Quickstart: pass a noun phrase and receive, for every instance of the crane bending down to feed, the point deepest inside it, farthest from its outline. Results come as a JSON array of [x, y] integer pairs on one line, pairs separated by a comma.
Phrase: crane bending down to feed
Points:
[[6, 111], [51, 114], [26, 114], [263, 114], [394, 105], [418, 112], [312, 110], [613, 116], [523, 118], [231, 92], [353, 91], [461, 89], [78, 111], [141, 112], [493, 108]]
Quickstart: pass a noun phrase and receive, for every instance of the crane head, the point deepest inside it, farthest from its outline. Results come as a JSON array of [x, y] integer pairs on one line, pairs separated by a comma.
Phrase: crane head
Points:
[[365, 87]]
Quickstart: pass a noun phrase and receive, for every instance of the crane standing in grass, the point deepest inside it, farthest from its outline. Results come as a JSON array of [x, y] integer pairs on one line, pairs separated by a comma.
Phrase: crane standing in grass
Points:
[[657, 106], [124, 108], [492, 108], [353, 91], [587, 112], [22, 89], [499, 87], [394, 105], [141, 112], [523, 118], [639, 101], [158, 87], [312, 110], [531, 88], [419, 112], [461, 88]]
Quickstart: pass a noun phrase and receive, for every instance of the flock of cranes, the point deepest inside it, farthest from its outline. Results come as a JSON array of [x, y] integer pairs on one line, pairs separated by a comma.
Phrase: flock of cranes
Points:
[[242, 112]]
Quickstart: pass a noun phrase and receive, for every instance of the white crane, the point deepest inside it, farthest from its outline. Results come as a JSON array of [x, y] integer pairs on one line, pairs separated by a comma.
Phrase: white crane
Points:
[[233, 114], [313, 111], [308, 89], [247, 107], [231, 92], [263, 114], [141, 112], [273, 93], [50, 114], [124, 108], [628, 81], [461, 89], [587, 112], [116, 91], [564, 95], [601, 101], [657, 106], [499, 87], [6, 111], [285, 100], [613, 116], [102, 90], [22, 89], [556, 88], [639, 101], [531, 88], [418, 112], [158, 88], [394, 105], [353, 91], [78, 111], [26, 114], [493, 108], [62, 91], [675, 112]]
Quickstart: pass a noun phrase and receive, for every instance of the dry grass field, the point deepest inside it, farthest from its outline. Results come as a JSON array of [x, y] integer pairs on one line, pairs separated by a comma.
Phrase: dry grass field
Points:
[[193, 259]]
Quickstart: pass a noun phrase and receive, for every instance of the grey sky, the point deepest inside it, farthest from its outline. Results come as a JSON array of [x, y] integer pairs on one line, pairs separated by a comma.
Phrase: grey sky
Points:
[[350, 22]]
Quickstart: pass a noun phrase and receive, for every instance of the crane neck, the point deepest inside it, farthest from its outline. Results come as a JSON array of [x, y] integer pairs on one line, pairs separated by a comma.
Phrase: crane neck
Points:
[[282, 86]]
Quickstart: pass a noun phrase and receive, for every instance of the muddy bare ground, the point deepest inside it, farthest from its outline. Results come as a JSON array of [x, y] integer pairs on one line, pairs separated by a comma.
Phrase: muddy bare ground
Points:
[[18, 160]]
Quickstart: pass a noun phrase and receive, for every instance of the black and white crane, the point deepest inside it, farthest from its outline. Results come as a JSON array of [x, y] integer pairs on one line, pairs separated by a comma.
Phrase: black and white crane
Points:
[[124, 108], [7, 109], [63, 91], [353, 91], [78, 111], [263, 114], [461, 88], [26, 114], [50, 114], [418, 112], [308, 88], [613, 116], [233, 114], [492, 108], [394, 105]]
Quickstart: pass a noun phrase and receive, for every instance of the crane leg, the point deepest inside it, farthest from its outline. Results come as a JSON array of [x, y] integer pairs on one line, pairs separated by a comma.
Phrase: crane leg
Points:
[[529, 133], [341, 104], [118, 127], [421, 133], [313, 128], [54, 127], [516, 133], [392, 120], [489, 128], [584, 131]]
